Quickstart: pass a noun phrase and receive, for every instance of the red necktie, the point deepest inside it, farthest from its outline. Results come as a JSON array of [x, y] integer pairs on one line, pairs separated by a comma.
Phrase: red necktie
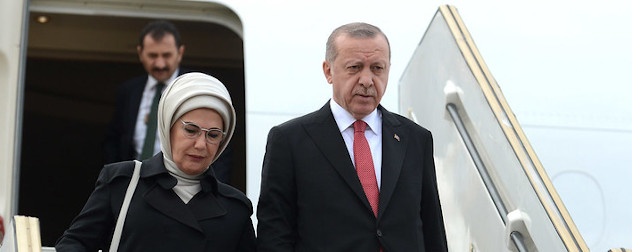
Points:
[[364, 165]]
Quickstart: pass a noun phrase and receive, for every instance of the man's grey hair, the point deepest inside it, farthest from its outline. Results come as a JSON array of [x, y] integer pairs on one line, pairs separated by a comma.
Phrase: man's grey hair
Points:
[[353, 30]]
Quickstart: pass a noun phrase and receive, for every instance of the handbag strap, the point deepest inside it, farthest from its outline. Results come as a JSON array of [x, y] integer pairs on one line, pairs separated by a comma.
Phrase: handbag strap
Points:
[[116, 238]]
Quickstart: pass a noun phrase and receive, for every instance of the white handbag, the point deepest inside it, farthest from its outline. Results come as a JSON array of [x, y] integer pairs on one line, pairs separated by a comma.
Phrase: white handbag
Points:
[[116, 238]]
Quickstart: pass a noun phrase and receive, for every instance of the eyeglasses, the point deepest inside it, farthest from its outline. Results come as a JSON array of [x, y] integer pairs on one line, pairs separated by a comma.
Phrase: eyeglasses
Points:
[[192, 130]]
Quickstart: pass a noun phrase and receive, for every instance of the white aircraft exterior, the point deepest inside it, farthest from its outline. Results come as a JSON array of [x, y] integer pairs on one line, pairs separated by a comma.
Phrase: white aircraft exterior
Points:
[[562, 76]]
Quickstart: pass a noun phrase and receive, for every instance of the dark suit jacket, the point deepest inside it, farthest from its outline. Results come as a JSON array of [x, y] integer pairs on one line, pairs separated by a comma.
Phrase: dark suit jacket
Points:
[[312, 200], [119, 138], [216, 219]]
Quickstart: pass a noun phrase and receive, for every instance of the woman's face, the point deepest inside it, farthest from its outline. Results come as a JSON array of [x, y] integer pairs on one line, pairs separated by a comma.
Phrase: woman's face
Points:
[[194, 155]]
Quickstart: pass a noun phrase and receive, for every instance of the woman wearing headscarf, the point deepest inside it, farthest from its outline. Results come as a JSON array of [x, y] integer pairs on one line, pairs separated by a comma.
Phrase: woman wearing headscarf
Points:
[[178, 204]]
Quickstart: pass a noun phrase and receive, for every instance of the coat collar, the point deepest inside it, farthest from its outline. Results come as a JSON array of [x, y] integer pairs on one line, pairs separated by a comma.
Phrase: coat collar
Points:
[[204, 205], [154, 166]]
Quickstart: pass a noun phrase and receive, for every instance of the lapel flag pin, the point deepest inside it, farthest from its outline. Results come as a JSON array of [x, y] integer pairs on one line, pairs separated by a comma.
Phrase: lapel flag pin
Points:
[[396, 137]]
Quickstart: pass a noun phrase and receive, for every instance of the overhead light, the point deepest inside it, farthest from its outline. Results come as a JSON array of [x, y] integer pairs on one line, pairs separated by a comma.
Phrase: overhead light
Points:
[[42, 19]]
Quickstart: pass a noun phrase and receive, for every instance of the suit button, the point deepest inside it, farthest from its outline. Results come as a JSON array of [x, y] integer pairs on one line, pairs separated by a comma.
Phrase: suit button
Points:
[[379, 233]]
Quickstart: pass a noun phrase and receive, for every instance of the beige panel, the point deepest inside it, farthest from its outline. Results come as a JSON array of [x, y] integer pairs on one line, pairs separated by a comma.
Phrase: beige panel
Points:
[[520, 144], [447, 69], [10, 43]]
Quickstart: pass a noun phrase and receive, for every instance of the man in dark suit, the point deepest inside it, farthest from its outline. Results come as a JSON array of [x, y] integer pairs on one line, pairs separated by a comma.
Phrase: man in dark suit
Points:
[[351, 176], [160, 50]]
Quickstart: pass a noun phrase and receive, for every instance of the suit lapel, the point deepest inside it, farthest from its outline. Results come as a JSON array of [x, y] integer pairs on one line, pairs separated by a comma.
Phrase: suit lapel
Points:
[[394, 142], [135, 96], [325, 134]]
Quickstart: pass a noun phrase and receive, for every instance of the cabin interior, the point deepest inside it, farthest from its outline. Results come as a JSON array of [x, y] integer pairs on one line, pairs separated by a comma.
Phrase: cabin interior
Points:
[[74, 64]]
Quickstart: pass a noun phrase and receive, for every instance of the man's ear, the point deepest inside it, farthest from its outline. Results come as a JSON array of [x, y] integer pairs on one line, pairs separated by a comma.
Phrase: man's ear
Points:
[[139, 50], [180, 54], [327, 71], [181, 50]]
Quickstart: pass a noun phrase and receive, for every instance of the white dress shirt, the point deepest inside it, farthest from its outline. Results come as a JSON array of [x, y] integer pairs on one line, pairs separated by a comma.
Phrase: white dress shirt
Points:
[[373, 134], [143, 113]]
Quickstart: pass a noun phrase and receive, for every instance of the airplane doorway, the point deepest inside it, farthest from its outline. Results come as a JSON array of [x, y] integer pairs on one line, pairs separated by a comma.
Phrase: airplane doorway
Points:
[[74, 64]]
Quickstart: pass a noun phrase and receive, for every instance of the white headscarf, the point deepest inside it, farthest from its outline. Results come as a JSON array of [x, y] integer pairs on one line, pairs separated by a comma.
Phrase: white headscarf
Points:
[[188, 92]]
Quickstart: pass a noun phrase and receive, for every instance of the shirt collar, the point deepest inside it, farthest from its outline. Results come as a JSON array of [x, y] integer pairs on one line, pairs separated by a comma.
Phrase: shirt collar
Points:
[[152, 82], [344, 119]]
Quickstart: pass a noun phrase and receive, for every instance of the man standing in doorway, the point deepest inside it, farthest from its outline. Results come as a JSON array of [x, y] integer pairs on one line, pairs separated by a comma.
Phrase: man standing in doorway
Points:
[[132, 132]]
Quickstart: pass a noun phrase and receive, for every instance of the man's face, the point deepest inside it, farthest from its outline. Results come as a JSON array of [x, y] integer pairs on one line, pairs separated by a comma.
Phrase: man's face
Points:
[[359, 74], [160, 58]]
